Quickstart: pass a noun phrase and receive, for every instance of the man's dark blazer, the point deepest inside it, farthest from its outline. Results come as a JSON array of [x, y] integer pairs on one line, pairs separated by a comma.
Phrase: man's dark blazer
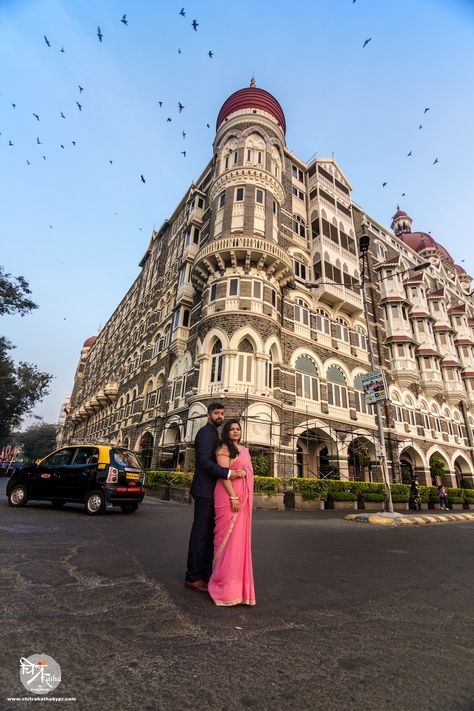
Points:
[[207, 470]]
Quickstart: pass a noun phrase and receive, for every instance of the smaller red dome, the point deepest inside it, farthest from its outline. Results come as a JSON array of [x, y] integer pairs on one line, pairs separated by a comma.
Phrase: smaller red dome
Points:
[[89, 341], [460, 269], [252, 98], [399, 213]]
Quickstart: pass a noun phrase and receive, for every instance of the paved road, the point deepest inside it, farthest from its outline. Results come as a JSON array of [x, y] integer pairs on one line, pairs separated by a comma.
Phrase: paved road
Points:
[[348, 616]]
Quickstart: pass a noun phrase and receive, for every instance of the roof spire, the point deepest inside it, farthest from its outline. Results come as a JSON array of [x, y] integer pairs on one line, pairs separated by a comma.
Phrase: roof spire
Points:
[[252, 81]]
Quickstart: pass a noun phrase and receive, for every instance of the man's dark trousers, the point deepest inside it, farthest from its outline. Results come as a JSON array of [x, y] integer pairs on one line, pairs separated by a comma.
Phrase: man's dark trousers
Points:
[[201, 544]]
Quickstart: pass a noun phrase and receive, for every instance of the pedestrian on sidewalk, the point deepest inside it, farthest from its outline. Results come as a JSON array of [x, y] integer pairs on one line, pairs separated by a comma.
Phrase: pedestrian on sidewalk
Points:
[[443, 499], [415, 493]]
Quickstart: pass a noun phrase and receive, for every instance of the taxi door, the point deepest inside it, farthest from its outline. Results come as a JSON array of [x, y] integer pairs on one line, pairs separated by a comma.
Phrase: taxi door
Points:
[[77, 477], [44, 480]]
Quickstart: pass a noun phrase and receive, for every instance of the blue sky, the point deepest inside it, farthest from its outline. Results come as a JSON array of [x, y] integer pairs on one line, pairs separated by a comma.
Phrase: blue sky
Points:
[[76, 226]]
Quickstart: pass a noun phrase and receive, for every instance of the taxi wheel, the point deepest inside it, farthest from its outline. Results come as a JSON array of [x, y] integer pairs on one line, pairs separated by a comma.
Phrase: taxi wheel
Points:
[[18, 496], [129, 508], [95, 503]]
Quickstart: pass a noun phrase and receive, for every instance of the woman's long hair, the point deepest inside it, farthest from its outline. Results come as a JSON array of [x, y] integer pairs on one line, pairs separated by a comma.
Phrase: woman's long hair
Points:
[[233, 451]]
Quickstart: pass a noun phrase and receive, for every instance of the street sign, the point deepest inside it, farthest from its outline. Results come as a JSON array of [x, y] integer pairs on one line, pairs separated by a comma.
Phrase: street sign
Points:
[[375, 388]]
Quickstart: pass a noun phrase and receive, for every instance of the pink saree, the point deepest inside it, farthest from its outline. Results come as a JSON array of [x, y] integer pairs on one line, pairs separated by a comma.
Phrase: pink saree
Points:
[[231, 582]]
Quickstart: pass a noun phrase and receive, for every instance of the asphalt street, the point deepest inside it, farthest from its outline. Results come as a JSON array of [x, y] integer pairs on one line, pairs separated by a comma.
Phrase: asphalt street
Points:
[[348, 617]]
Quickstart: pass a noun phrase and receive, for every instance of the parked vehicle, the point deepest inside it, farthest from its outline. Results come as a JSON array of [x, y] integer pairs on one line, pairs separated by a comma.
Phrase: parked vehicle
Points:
[[99, 476]]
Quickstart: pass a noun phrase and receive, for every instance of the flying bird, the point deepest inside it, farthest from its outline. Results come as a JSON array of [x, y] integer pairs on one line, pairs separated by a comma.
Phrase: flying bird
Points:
[[81, 88], [36, 117], [14, 106], [409, 154], [435, 161], [160, 103], [210, 54], [99, 34], [38, 141], [179, 50], [62, 115], [168, 119], [46, 40], [384, 184], [183, 153], [110, 161], [44, 157], [79, 106], [403, 194], [142, 179], [62, 145], [208, 125], [184, 135], [366, 42], [195, 25], [10, 143], [420, 126], [73, 143], [180, 106], [28, 162], [124, 20], [182, 13], [62, 50], [427, 109]]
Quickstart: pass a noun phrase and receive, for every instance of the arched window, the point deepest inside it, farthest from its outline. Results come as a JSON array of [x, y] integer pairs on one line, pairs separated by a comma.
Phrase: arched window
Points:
[[216, 362], [150, 396], [424, 414], [307, 379], [269, 365], [360, 403], [245, 361], [301, 312], [159, 390], [342, 330], [410, 410], [298, 225], [337, 387], [437, 422], [323, 323], [158, 344], [396, 404], [360, 337]]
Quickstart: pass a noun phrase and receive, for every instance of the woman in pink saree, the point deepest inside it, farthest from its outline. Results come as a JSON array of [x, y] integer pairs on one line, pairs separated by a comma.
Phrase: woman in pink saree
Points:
[[231, 582]]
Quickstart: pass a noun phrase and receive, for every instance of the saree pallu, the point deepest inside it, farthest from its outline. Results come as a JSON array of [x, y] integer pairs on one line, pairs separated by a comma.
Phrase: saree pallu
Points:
[[231, 582]]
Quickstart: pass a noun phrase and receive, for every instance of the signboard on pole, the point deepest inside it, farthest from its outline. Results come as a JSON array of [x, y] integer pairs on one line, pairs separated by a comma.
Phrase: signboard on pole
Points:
[[375, 388]]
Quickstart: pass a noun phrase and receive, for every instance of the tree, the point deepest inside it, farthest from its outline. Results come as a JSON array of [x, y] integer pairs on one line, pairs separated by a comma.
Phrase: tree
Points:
[[22, 385], [38, 440], [13, 291]]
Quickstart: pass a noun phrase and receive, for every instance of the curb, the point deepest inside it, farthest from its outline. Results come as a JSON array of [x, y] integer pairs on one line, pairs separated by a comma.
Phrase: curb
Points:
[[382, 519]]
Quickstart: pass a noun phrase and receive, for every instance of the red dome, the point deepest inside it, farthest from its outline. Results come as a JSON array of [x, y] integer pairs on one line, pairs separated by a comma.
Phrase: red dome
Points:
[[420, 240], [89, 342], [252, 98], [460, 269], [399, 213]]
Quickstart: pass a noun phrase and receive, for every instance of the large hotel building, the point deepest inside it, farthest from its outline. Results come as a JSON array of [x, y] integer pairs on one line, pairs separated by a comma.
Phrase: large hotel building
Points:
[[249, 294]]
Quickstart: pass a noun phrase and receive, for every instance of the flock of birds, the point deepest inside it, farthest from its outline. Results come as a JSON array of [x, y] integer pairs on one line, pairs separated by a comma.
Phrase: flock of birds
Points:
[[181, 107], [100, 36]]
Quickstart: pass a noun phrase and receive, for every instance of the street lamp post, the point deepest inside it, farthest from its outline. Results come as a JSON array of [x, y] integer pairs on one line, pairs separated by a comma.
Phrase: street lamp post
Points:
[[364, 242]]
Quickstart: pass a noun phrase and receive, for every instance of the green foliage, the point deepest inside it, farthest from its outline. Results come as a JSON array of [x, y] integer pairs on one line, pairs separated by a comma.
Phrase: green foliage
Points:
[[266, 484], [155, 478], [21, 387], [437, 465], [399, 498], [261, 465], [310, 489], [38, 440], [468, 494], [373, 497], [13, 291], [469, 499], [342, 496], [426, 492], [466, 483], [403, 489], [455, 499]]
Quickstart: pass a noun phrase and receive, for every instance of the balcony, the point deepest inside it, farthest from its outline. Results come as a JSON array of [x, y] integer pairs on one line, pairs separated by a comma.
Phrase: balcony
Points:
[[241, 251], [431, 382], [454, 392], [405, 371], [337, 295]]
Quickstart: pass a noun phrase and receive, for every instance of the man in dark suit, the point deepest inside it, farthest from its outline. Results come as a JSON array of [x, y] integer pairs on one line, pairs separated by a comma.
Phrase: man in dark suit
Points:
[[201, 540]]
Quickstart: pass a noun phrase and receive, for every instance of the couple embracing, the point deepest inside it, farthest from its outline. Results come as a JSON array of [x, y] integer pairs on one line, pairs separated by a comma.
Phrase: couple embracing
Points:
[[220, 555]]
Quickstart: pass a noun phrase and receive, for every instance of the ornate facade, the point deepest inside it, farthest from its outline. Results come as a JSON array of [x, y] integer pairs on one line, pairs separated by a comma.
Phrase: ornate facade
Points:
[[250, 294]]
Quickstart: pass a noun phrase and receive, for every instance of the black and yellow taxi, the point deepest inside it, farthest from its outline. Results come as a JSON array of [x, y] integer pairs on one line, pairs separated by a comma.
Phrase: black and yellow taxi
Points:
[[97, 475]]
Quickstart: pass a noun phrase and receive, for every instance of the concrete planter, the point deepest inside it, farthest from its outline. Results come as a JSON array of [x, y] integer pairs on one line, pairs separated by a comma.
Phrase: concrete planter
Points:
[[367, 505], [400, 505], [268, 502], [456, 507], [180, 495], [434, 506], [159, 492], [345, 505], [296, 502]]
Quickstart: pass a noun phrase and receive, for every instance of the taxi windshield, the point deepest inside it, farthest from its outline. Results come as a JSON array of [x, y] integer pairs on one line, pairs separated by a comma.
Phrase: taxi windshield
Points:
[[125, 458]]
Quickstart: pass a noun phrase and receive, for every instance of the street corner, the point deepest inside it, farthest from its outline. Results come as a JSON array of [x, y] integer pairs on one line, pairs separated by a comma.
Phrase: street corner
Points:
[[397, 519]]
